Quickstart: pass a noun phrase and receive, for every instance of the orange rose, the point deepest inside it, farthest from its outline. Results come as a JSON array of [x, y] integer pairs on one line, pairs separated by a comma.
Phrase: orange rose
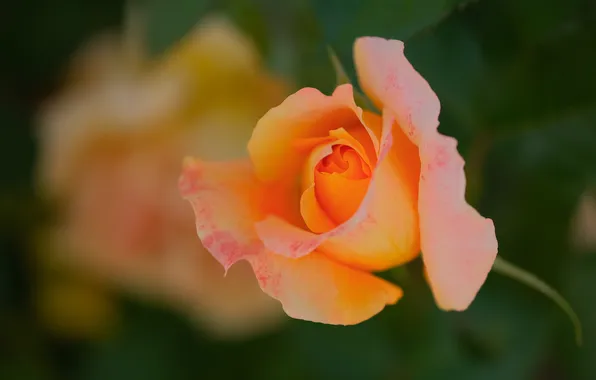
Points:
[[111, 146], [332, 193]]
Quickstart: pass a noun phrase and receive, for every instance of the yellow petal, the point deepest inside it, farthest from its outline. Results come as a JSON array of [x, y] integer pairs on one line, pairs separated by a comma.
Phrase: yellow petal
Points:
[[316, 219]]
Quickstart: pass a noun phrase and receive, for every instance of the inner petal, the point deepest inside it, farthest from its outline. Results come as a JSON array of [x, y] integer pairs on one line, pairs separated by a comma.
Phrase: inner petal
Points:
[[314, 216], [339, 196], [346, 161], [341, 157], [341, 181]]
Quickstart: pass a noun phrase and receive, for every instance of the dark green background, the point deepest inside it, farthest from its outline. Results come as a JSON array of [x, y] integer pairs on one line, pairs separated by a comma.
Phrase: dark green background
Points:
[[517, 82]]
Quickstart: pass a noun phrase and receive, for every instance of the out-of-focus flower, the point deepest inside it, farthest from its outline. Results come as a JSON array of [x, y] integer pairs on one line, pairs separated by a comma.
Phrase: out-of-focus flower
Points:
[[583, 226], [332, 193], [69, 303], [111, 146]]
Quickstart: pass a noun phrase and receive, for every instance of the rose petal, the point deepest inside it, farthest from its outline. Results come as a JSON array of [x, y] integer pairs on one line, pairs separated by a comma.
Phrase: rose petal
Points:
[[391, 82], [459, 246], [226, 199], [317, 289], [359, 139], [314, 216], [339, 197]]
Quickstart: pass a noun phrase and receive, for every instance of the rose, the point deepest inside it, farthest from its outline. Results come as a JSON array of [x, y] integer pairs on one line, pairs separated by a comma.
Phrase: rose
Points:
[[332, 193], [111, 145]]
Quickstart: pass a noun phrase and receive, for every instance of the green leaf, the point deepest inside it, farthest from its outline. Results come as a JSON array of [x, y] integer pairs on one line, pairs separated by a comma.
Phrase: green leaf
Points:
[[341, 77], [508, 269], [345, 20]]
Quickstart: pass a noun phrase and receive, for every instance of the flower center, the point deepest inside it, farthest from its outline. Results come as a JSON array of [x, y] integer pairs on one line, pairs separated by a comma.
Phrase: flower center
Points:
[[341, 180], [346, 161]]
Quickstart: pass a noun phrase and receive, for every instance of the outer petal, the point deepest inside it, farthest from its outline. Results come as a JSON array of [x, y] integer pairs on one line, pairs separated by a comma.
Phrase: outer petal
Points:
[[391, 82], [317, 289], [459, 246], [227, 199]]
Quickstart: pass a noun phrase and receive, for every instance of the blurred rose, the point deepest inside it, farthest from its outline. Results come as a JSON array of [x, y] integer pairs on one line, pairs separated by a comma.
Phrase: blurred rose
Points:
[[332, 193], [111, 146], [68, 302], [583, 226]]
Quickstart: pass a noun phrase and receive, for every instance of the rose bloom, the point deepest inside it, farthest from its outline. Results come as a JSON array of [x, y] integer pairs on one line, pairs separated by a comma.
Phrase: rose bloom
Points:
[[111, 146], [332, 193]]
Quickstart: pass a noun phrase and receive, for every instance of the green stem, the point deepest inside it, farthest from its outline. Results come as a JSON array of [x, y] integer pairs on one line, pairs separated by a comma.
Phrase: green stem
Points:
[[508, 269]]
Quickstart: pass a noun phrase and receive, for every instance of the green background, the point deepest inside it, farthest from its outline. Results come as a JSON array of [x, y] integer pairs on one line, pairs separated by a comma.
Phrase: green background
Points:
[[517, 82]]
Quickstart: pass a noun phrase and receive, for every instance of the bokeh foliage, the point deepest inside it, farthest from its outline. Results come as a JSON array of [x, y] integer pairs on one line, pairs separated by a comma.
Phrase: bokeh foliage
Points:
[[517, 82]]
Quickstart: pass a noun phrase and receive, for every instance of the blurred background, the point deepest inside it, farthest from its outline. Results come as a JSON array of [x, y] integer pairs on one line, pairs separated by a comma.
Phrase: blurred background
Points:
[[101, 275]]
